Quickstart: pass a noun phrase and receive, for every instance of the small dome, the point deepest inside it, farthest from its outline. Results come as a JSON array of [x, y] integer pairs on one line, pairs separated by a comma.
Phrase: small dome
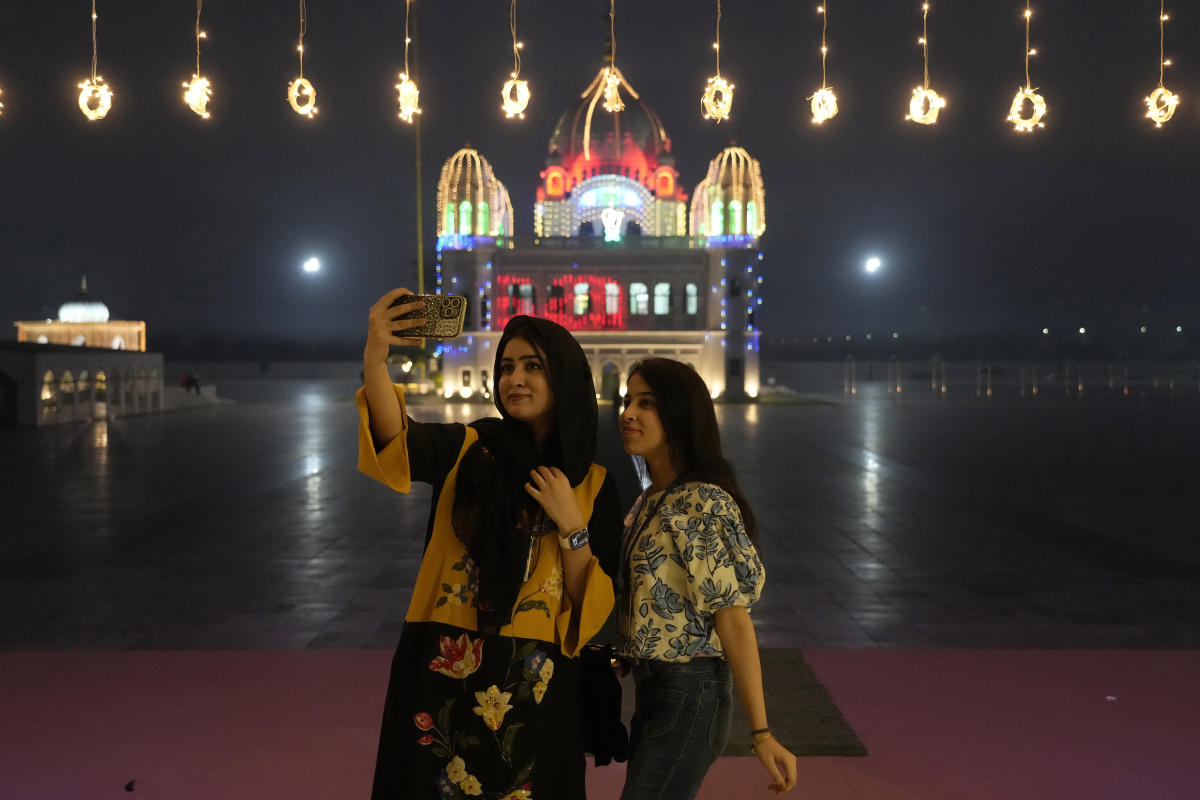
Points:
[[471, 201], [730, 200], [588, 130], [83, 308]]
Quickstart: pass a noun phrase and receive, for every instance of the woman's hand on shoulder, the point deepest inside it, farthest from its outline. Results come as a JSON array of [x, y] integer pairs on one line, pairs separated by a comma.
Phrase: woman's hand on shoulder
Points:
[[384, 329], [779, 763], [552, 489]]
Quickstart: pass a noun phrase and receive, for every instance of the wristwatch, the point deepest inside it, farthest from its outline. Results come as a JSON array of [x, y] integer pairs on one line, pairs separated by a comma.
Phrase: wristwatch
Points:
[[574, 540]]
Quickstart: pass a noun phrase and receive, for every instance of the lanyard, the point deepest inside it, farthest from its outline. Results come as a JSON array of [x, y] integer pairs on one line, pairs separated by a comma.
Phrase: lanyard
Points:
[[632, 534]]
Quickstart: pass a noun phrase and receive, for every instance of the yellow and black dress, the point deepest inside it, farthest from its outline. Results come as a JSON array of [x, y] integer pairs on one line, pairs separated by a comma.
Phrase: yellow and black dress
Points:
[[479, 710]]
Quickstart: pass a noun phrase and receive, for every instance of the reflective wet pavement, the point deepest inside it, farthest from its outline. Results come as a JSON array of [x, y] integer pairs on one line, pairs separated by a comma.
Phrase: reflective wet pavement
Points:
[[962, 523]]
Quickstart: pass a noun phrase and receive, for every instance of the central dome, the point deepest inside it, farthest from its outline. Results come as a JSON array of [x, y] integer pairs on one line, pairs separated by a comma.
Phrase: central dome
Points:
[[599, 136]]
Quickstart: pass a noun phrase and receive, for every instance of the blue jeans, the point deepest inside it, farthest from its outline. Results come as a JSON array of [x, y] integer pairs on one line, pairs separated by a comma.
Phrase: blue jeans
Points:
[[680, 726]]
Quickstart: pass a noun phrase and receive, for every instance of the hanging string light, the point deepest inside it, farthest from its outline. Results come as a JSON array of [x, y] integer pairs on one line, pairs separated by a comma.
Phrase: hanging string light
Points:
[[1161, 103], [95, 96], [198, 89], [718, 94], [515, 92], [925, 104], [1027, 95], [406, 90], [301, 93], [824, 101], [611, 78]]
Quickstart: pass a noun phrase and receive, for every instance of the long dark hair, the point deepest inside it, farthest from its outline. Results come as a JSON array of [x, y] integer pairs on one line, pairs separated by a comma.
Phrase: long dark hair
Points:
[[693, 439]]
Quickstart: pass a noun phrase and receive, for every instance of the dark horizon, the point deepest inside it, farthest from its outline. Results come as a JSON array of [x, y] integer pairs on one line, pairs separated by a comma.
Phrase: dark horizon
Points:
[[200, 227]]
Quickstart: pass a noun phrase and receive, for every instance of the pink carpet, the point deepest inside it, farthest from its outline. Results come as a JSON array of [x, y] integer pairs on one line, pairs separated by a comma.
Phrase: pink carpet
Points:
[[270, 725]]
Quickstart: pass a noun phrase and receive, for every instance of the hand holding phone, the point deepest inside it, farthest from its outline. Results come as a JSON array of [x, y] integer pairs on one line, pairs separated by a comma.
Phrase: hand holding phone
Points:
[[444, 315]]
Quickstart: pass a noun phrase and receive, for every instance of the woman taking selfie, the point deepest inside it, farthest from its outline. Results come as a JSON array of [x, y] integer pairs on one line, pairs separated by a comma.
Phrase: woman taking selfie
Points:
[[522, 536], [689, 573]]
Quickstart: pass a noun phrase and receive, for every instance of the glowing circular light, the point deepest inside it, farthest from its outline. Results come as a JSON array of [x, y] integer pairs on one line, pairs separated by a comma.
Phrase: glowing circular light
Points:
[[198, 93], [612, 91], [406, 96], [516, 97], [824, 105], [717, 99], [95, 98], [1161, 105], [873, 264], [1016, 114], [1, 104], [924, 106], [303, 97], [312, 265]]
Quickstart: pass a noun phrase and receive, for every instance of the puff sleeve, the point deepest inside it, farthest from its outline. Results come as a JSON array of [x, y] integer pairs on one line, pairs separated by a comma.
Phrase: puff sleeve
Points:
[[723, 565]]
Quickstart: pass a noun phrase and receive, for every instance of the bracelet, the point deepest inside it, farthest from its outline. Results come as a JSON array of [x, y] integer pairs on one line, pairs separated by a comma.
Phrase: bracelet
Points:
[[760, 730]]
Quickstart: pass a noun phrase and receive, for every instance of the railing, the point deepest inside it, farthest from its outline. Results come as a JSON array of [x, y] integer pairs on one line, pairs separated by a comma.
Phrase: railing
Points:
[[984, 379]]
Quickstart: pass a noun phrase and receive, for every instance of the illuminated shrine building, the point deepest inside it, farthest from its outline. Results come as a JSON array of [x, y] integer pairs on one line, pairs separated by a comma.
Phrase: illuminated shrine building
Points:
[[84, 322], [618, 254]]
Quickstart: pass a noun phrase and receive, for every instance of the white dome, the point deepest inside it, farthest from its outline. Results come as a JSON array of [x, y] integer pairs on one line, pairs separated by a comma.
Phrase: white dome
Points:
[[83, 312], [83, 308]]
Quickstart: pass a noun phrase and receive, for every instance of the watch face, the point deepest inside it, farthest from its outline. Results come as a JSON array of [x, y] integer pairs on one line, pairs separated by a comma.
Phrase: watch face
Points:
[[578, 539]]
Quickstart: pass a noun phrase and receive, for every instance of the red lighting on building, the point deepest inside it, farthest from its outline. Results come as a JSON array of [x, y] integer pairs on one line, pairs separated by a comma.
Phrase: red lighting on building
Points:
[[577, 302]]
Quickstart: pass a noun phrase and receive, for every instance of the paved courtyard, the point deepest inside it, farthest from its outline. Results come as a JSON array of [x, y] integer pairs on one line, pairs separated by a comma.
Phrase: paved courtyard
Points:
[[957, 523]]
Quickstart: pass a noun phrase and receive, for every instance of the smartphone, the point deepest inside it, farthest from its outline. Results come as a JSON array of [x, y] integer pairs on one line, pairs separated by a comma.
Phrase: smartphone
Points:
[[444, 315]]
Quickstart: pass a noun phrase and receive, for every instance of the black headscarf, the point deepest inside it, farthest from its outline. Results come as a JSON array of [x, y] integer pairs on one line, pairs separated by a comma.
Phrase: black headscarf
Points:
[[493, 515]]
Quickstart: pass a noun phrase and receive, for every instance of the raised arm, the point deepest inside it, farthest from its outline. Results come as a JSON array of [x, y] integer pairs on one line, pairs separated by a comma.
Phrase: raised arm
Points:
[[383, 329]]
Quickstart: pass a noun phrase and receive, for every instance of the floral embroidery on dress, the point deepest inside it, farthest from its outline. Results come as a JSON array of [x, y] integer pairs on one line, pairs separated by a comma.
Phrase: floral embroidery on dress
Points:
[[493, 705], [465, 593], [460, 657], [553, 585], [527, 676], [455, 778]]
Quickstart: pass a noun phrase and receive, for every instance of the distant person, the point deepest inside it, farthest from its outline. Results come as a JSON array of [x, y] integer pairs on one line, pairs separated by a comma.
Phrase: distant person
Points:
[[195, 382], [483, 697], [689, 573]]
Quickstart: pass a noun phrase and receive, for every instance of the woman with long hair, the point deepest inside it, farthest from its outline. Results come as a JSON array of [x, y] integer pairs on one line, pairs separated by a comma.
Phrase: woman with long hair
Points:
[[689, 573], [522, 536]]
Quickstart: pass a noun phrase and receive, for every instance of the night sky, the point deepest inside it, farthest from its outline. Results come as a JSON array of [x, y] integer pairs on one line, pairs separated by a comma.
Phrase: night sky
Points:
[[201, 226]]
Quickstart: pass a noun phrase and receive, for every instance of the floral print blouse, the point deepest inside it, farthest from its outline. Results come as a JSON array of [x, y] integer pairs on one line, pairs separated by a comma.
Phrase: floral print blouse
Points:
[[685, 556]]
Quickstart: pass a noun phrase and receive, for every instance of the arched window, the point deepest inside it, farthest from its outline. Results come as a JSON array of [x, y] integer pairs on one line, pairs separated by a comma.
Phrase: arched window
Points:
[[118, 343], [79, 341], [83, 384], [101, 387], [43, 339], [662, 298], [691, 297], [639, 298], [554, 184], [718, 218], [464, 217], [666, 186], [66, 391], [484, 221], [735, 217], [751, 218], [612, 298], [583, 300], [448, 222], [49, 395]]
